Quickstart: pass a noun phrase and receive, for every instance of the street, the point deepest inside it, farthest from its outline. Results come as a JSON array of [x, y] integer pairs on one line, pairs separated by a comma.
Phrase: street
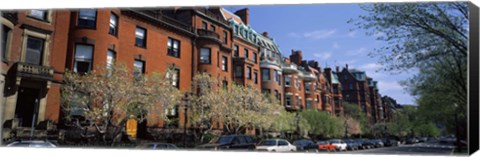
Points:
[[426, 148]]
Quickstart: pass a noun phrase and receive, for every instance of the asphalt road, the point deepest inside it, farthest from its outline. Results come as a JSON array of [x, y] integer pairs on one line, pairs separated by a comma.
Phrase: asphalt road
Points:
[[427, 148]]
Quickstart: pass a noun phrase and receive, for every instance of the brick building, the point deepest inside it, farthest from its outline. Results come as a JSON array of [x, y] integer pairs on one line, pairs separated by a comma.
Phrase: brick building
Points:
[[39, 45], [34, 43], [356, 89]]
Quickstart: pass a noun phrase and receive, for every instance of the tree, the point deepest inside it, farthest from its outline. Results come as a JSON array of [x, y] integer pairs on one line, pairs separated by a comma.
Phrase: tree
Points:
[[354, 112], [236, 107], [432, 37], [102, 100], [323, 124]]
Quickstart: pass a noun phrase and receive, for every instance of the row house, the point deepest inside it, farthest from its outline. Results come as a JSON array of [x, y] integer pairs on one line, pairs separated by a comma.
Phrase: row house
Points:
[[389, 108], [375, 99], [270, 67], [33, 46], [337, 91], [356, 89]]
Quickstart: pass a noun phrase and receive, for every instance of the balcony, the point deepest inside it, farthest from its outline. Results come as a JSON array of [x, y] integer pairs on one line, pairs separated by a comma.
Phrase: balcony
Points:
[[308, 76], [289, 68], [34, 71], [207, 34]]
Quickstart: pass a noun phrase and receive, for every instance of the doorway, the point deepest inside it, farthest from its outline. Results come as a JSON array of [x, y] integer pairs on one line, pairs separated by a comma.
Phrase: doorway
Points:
[[26, 106]]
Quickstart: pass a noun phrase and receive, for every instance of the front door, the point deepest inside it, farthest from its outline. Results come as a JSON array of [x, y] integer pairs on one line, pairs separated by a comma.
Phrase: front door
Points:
[[26, 106]]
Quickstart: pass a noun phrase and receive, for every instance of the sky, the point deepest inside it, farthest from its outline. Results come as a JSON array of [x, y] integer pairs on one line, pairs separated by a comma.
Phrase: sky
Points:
[[322, 33]]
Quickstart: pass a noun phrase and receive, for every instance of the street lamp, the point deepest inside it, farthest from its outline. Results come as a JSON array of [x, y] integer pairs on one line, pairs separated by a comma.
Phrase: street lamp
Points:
[[297, 120], [186, 99], [346, 129], [456, 128]]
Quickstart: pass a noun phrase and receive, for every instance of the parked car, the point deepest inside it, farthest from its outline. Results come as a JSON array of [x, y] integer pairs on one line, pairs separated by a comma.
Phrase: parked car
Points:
[[325, 145], [32, 143], [352, 144], [377, 143], [339, 144], [230, 142], [422, 139], [387, 142], [157, 146], [362, 144], [369, 143], [305, 145], [411, 140], [275, 145]]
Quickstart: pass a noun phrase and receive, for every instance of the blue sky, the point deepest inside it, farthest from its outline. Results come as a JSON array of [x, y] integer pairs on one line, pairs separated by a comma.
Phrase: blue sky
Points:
[[322, 33]]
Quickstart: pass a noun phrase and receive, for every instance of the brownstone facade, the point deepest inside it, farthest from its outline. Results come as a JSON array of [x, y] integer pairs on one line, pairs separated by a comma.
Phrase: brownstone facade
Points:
[[38, 46]]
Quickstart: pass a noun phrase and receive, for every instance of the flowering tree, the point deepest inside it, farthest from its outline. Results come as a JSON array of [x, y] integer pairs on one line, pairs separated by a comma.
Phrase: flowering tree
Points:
[[101, 101]]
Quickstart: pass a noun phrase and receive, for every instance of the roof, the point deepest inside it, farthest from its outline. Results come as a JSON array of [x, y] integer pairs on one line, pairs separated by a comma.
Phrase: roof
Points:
[[229, 15], [359, 75], [335, 78]]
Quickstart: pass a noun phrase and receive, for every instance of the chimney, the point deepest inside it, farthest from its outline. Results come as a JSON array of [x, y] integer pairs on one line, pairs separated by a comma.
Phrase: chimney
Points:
[[265, 34], [296, 57], [243, 14], [346, 66], [337, 69]]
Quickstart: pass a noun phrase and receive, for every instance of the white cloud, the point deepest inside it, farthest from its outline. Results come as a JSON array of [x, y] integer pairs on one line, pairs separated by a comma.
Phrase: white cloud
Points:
[[295, 35], [389, 86], [319, 34], [370, 66], [357, 52], [352, 34], [335, 45], [323, 55], [316, 34]]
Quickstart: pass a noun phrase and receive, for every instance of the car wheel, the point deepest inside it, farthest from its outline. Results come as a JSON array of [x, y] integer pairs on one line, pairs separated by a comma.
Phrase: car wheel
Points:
[[316, 150], [273, 150]]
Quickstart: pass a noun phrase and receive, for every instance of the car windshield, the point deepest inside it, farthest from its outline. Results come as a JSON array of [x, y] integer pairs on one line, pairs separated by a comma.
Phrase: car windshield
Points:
[[268, 143], [335, 141], [222, 140], [322, 142]]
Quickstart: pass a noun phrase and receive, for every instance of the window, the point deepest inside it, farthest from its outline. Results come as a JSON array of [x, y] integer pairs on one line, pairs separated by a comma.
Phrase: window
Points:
[[34, 51], [140, 36], [224, 37], [173, 47], [238, 71], [224, 63], [205, 55], [351, 86], [113, 29], [255, 57], [345, 77], [255, 75], [288, 81], [307, 87], [83, 58], [265, 91], [87, 18], [235, 50], [110, 59], [212, 28], [249, 73], [204, 25], [265, 74], [245, 53], [235, 30], [5, 36], [138, 68], [288, 100], [225, 84], [308, 104], [277, 76], [174, 77], [39, 14]]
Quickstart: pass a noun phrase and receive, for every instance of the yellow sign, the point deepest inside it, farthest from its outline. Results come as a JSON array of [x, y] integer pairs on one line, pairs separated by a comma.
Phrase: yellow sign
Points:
[[132, 128]]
